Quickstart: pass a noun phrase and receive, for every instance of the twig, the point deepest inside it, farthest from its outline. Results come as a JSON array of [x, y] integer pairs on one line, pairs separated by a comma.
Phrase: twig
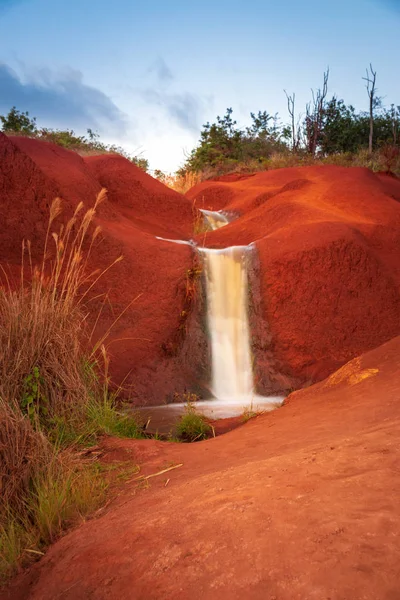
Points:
[[36, 551], [156, 474], [166, 483]]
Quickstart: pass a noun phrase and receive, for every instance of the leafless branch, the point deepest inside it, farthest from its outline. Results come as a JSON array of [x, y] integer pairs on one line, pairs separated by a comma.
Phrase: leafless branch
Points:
[[291, 109], [315, 115], [371, 89]]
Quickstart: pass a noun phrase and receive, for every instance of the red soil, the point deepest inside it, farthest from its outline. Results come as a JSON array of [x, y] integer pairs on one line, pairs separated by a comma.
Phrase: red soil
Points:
[[325, 285], [328, 241], [297, 504], [138, 208]]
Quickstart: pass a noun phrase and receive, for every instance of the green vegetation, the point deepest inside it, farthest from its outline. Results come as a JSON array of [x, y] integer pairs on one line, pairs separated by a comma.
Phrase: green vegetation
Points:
[[192, 426], [105, 417], [19, 123], [223, 143], [249, 413], [328, 132], [54, 395]]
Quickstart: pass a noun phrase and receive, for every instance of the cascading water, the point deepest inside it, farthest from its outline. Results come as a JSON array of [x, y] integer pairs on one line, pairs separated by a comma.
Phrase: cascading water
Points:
[[232, 382], [226, 289], [214, 219]]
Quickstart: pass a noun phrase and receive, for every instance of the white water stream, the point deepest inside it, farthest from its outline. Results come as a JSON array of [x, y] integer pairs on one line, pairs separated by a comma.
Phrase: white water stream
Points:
[[232, 383], [214, 219], [227, 315]]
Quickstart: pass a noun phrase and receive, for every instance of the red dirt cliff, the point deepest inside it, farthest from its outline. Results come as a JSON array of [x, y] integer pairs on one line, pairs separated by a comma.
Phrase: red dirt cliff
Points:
[[152, 273], [326, 281], [325, 275]]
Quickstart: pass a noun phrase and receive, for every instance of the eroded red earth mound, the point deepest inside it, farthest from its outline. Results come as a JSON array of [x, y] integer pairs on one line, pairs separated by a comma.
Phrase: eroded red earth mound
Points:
[[325, 274], [298, 504], [326, 271], [150, 280]]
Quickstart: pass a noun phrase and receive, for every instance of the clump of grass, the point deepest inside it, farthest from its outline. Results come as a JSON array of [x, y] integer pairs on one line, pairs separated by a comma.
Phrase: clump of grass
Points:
[[61, 492], [64, 491], [249, 413], [104, 413], [200, 225], [43, 490], [105, 417], [54, 391], [192, 426]]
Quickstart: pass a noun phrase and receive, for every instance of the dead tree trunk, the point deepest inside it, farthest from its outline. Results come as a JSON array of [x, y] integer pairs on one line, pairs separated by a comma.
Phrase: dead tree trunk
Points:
[[315, 116], [291, 110], [395, 113], [371, 89]]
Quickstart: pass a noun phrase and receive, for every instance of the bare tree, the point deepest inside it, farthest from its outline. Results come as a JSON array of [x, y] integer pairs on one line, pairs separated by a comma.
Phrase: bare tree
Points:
[[295, 130], [315, 115], [395, 114], [371, 89]]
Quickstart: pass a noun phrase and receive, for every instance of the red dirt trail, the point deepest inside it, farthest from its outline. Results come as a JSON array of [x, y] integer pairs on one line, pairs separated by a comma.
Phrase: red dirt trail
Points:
[[298, 504]]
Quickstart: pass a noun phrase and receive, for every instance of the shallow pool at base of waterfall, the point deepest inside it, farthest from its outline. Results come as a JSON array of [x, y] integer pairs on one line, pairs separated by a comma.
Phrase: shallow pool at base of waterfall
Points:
[[163, 418]]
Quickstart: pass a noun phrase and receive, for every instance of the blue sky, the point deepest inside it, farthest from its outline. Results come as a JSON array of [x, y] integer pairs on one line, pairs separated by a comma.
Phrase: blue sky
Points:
[[147, 75]]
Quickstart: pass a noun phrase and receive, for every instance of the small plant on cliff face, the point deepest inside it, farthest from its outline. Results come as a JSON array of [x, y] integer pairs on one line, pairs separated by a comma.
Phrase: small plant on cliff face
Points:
[[192, 426], [188, 397], [192, 281]]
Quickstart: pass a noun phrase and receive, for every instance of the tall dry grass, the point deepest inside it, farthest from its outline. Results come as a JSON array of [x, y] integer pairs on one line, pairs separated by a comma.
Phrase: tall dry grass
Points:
[[184, 182], [53, 393], [43, 322], [23, 452]]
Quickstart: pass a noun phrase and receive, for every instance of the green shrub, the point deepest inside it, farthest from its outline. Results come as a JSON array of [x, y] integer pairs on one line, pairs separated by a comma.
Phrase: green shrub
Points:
[[19, 122], [192, 426]]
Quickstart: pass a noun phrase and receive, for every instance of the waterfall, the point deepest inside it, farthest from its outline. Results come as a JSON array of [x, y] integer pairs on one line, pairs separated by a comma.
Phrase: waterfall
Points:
[[214, 219], [226, 282], [227, 314], [228, 324]]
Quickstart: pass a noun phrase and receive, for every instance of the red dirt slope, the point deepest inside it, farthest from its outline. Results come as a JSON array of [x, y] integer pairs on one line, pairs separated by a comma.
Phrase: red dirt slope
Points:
[[26, 195], [138, 209], [298, 504], [149, 204], [326, 284]]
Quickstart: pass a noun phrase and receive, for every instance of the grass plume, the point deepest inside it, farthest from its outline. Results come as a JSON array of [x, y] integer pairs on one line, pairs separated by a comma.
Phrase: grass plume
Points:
[[54, 390]]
